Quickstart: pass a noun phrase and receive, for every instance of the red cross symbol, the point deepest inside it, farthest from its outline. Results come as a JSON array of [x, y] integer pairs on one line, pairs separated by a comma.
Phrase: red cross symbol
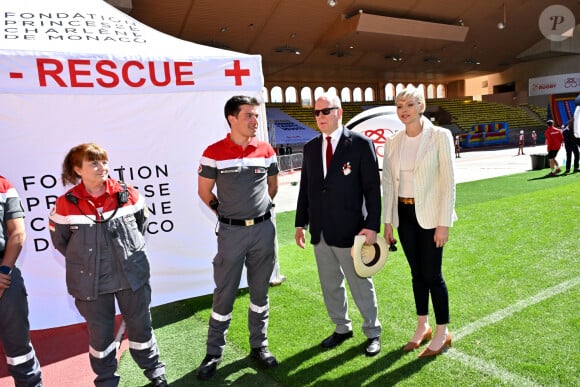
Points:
[[237, 72]]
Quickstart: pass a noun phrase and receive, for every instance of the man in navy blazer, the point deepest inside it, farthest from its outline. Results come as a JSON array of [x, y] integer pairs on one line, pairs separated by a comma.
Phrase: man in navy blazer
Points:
[[336, 202]]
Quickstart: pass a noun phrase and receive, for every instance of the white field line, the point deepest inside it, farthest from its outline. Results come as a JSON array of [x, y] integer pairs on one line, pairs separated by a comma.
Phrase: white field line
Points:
[[518, 306], [489, 368]]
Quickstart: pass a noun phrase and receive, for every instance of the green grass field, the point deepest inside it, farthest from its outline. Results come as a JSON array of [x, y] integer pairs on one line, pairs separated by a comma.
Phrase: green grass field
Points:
[[512, 269]]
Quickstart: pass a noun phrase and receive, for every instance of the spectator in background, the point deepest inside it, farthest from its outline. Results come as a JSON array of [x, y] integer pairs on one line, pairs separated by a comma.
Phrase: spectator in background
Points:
[[288, 149], [571, 147], [521, 142], [281, 150], [554, 140], [457, 147], [576, 122], [534, 138], [14, 325]]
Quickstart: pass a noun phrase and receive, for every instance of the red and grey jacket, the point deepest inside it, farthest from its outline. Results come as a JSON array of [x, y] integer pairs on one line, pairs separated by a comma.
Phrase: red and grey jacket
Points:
[[10, 208], [80, 232]]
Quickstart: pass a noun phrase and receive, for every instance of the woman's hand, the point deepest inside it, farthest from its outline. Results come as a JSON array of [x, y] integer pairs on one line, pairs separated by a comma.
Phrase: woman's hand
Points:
[[389, 233], [441, 236]]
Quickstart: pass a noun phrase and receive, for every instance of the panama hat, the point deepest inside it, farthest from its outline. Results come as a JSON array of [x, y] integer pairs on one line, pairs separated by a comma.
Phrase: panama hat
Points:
[[369, 259]]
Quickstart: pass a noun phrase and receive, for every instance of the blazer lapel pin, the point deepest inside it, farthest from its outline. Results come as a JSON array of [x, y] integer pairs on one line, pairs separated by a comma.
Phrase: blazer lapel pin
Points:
[[346, 168]]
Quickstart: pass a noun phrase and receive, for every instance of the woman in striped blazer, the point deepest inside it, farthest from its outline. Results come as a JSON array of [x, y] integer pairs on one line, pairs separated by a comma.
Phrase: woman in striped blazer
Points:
[[419, 200]]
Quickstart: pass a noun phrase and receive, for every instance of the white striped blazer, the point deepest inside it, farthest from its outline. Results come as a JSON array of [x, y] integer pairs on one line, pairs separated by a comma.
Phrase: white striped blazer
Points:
[[433, 178]]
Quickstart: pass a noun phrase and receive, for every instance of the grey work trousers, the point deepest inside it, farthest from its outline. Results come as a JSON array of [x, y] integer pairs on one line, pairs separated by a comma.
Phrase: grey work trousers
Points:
[[334, 265], [239, 246], [100, 317], [15, 334]]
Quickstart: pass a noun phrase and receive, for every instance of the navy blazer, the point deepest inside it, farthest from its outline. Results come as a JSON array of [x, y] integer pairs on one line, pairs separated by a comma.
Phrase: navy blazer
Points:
[[334, 205]]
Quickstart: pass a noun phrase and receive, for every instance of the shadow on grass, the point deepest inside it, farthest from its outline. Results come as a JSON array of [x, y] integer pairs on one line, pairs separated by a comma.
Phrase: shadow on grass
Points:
[[548, 176], [242, 372], [290, 377], [381, 366], [287, 369], [394, 376], [173, 312]]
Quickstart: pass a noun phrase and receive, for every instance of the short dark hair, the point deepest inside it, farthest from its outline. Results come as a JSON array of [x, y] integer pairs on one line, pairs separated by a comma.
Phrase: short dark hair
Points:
[[232, 107]]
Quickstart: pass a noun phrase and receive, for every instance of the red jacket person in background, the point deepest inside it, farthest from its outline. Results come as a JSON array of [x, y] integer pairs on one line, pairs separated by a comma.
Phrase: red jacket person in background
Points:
[[554, 140]]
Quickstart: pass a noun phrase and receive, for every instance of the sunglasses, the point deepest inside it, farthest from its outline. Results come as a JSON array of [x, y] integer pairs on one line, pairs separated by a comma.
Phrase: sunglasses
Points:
[[325, 111]]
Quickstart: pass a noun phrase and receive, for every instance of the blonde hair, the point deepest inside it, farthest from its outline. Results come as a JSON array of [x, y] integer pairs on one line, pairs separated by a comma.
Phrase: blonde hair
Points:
[[412, 93]]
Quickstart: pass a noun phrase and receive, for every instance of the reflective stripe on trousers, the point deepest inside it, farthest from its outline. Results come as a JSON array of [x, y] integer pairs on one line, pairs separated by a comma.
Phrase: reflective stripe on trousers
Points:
[[103, 354], [14, 361], [141, 346], [221, 317], [115, 345], [259, 309]]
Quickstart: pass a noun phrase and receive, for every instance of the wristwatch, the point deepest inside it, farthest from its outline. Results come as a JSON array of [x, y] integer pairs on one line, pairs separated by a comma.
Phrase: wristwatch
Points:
[[5, 270]]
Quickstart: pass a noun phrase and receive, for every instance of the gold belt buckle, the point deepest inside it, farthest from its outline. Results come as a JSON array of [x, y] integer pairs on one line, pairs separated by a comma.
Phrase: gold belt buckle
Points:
[[249, 222]]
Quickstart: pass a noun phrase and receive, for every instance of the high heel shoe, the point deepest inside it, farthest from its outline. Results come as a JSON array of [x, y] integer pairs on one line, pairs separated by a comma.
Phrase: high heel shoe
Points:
[[431, 352], [411, 345]]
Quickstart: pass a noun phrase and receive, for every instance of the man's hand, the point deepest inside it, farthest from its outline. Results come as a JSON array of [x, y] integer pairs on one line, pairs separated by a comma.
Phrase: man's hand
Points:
[[300, 237], [4, 283], [370, 235]]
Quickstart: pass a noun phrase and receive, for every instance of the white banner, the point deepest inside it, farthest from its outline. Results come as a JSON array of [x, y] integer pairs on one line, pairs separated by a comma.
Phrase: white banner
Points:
[[153, 134], [555, 84], [55, 74], [88, 46]]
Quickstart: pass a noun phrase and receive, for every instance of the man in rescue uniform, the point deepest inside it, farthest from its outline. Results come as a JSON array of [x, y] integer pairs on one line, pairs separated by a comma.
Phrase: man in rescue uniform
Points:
[[98, 225], [14, 326], [245, 173]]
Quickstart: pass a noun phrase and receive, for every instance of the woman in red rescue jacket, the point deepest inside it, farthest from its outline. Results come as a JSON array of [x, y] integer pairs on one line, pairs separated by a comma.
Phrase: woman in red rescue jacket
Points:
[[98, 225]]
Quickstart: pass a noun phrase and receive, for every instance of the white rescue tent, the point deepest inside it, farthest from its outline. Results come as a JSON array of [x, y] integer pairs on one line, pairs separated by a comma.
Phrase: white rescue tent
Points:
[[82, 71]]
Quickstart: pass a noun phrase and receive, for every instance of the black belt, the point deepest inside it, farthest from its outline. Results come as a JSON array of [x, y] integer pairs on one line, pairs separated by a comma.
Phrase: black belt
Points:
[[246, 222]]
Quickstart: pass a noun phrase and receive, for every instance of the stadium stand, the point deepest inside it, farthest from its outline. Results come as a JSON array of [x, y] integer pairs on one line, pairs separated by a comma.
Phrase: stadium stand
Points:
[[460, 112]]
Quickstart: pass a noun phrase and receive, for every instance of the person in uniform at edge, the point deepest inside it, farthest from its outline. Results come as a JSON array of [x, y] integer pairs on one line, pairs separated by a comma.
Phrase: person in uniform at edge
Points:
[[339, 177], [419, 199], [554, 140], [14, 326], [98, 225], [571, 147], [244, 172]]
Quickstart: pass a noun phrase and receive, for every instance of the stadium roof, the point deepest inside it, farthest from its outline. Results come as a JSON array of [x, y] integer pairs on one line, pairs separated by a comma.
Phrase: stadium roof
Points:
[[366, 41]]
